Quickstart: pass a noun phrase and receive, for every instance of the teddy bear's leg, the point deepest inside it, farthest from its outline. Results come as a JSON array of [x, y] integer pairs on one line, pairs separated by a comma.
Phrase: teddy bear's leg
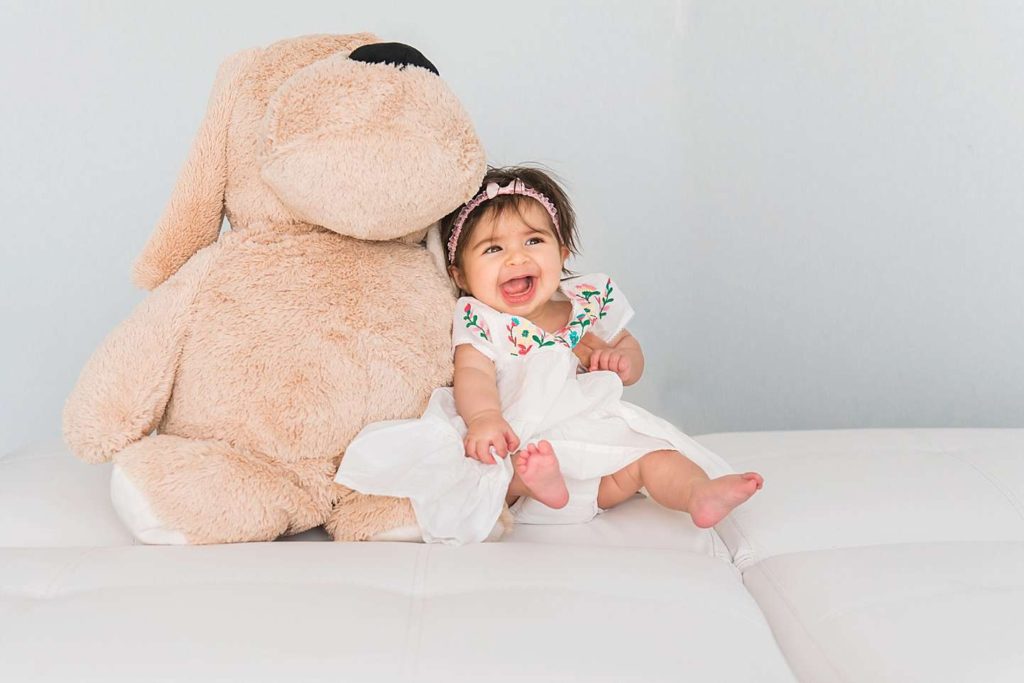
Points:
[[359, 517], [169, 489]]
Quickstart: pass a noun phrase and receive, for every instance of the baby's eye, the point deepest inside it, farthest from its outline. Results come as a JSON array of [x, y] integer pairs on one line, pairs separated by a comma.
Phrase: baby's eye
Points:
[[537, 239], [488, 249]]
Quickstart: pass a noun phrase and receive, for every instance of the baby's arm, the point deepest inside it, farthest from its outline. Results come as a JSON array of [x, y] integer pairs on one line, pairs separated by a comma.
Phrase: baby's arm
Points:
[[477, 401], [623, 356]]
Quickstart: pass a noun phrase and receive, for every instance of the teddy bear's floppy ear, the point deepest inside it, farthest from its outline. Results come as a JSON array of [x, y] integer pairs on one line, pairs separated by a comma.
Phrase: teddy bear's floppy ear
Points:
[[193, 216]]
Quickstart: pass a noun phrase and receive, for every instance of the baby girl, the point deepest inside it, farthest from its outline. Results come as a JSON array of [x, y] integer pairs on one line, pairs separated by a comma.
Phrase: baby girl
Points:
[[535, 418]]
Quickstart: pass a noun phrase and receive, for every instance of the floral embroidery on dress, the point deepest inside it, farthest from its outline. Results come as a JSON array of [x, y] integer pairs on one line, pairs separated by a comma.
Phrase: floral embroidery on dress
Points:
[[524, 336], [592, 304], [592, 296], [475, 321]]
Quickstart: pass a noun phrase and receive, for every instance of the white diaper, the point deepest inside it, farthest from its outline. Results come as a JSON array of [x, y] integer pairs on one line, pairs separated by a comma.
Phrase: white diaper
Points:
[[582, 506]]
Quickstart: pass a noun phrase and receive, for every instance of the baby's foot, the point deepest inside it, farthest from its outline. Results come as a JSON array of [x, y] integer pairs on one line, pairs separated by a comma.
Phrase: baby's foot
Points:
[[538, 468], [712, 500]]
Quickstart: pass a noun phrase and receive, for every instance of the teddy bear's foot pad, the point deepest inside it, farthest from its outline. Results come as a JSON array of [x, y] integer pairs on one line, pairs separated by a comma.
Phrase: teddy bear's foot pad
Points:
[[137, 514]]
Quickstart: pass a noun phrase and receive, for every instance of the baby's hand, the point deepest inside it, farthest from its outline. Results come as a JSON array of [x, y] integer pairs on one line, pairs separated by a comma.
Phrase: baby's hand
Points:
[[489, 430], [611, 359], [597, 354]]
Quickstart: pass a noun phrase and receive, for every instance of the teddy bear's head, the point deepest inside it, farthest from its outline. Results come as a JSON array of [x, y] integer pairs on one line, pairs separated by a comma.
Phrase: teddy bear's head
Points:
[[343, 132]]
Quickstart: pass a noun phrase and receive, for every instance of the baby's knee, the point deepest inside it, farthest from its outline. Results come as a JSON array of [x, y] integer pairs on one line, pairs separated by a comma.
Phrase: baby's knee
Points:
[[654, 463], [657, 457]]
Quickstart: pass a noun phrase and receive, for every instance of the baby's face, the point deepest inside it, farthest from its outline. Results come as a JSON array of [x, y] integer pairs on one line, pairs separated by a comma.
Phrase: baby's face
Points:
[[513, 263]]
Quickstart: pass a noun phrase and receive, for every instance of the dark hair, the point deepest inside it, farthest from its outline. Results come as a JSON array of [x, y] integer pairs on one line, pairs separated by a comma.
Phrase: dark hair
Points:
[[539, 180]]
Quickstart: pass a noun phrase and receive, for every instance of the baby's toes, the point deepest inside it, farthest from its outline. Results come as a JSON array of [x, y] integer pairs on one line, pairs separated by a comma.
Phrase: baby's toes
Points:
[[755, 477], [748, 487]]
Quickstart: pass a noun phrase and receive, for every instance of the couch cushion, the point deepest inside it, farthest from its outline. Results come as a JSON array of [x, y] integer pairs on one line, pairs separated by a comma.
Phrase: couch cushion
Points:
[[929, 612], [845, 488], [379, 612], [886, 555], [48, 498]]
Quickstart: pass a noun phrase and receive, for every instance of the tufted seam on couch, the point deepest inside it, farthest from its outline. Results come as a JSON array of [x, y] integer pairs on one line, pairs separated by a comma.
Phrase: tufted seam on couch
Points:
[[67, 569], [740, 559], [862, 546], [414, 618], [1006, 493], [714, 544], [784, 599], [909, 600]]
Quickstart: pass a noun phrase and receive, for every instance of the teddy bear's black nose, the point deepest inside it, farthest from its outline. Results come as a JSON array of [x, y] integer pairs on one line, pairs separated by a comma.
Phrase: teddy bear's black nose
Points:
[[399, 54]]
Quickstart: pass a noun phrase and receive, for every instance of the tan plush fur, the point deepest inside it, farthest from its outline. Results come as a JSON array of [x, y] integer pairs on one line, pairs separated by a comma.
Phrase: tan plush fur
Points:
[[259, 355]]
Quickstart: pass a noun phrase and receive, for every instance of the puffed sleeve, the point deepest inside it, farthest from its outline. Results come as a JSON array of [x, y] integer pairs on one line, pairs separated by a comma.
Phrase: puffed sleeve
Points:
[[470, 326], [608, 308]]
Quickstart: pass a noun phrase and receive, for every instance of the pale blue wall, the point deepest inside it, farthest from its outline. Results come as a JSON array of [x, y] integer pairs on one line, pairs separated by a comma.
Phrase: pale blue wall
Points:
[[816, 208]]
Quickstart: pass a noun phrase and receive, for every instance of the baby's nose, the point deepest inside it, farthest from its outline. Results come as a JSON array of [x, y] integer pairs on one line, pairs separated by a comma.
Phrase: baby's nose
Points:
[[517, 263], [515, 257]]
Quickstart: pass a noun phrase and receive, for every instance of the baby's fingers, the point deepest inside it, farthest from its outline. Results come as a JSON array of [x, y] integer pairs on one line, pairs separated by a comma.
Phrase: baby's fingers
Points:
[[511, 440], [476, 449], [483, 451], [499, 447]]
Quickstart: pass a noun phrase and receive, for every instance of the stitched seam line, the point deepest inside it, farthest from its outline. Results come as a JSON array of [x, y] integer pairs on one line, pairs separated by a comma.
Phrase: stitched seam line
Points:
[[52, 588], [803, 627], [1006, 493], [413, 630]]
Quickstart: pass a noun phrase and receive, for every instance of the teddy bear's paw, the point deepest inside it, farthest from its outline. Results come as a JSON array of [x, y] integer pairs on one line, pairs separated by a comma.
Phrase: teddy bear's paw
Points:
[[503, 526], [358, 517]]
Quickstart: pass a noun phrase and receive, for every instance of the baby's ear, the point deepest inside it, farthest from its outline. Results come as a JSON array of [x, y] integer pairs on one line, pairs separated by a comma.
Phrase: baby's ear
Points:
[[456, 274]]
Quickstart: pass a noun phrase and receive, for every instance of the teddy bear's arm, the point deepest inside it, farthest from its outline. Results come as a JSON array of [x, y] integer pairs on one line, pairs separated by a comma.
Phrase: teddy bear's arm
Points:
[[123, 390]]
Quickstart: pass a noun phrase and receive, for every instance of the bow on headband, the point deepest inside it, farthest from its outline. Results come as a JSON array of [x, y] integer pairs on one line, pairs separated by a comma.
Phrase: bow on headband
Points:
[[492, 190]]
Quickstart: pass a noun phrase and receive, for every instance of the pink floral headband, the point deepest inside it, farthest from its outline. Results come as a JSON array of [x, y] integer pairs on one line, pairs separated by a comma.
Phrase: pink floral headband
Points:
[[492, 190]]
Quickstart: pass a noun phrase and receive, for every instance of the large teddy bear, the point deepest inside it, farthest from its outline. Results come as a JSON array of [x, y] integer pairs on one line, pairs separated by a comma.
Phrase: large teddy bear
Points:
[[261, 352]]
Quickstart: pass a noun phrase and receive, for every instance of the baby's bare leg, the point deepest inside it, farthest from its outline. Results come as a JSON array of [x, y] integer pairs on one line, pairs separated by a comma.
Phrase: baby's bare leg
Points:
[[516, 489], [675, 481]]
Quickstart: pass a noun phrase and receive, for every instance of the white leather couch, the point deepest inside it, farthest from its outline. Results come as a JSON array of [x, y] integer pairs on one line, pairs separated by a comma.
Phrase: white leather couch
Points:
[[870, 556]]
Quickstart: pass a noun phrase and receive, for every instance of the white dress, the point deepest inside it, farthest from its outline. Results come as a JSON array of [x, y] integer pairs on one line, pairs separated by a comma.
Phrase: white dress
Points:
[[543, 396]]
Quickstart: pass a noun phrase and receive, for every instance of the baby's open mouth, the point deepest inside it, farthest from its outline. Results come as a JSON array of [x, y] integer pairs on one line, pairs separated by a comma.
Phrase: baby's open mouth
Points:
[[518, 290]]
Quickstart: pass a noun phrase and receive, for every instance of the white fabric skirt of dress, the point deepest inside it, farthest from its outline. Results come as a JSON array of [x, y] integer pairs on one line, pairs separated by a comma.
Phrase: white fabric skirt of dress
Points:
[[458, 499]]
